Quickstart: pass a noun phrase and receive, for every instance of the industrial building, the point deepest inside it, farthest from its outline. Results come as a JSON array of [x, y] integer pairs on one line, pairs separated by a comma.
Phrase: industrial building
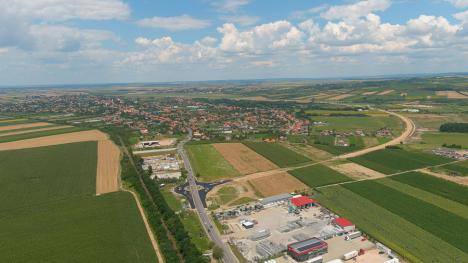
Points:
[[300, 202], [344, 224], [306, 249], [275, 200]]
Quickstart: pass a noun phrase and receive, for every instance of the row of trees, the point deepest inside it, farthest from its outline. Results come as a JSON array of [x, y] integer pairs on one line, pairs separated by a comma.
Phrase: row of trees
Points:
[[173, 224], [174, 242], [454, 127], [130, 176]]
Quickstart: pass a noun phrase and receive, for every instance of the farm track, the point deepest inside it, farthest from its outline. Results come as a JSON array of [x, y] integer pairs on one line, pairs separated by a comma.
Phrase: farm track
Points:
[[169, 234], [147, 226], [423, 170], [410, 129]]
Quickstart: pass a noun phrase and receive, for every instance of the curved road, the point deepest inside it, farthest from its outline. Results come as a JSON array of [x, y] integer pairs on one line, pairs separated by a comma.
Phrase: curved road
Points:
[[207, 222], [410, 128]]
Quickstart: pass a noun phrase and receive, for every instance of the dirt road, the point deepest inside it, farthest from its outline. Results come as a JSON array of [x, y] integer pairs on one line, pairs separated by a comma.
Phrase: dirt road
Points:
[[147, 226], [410, 128]]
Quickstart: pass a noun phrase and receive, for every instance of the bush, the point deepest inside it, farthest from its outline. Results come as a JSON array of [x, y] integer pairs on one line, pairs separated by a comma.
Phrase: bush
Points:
[[454, 127]]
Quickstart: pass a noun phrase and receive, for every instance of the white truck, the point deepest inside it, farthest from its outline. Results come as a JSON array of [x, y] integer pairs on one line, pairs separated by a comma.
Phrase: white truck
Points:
[[350, 255], [353, 235]]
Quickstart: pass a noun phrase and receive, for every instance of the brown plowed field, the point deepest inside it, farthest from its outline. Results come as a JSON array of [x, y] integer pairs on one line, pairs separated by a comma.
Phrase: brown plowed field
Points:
[[278, 183], [22, 126], [357, 171], [35, 130], [71, 137], [107, 176], [243, 159]]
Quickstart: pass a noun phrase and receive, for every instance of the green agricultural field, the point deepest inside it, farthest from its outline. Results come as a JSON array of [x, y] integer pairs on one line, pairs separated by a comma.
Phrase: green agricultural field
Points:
[[458, 169], [195, 229], [319, 175], [33, 176], [227, 194], [209, 164], [327, 143], [407, 239], [437, 200], [49, 211], [279, 155], [31, 135], [369, 123], [389, 161], [437, 221], [438, 186], [446, 138]]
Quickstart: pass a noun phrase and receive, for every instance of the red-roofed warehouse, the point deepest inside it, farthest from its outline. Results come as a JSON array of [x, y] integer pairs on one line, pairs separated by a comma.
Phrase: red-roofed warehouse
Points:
[[344, 224]]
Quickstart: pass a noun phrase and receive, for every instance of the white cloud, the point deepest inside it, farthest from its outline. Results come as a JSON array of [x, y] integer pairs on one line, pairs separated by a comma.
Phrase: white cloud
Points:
[[280, 34], [355, 10], [280, 42], [462, 16], [230, 5], [311, 11], [175, 23], [166, 51], [61, 10], [242, 20], [459, 3], [68, 39]]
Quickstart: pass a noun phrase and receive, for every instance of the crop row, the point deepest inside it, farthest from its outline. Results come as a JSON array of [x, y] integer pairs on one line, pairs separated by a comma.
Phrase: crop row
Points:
[[318, 175], [439, 222], [438, 186], [278, 154], [390, 161], [407, 239]]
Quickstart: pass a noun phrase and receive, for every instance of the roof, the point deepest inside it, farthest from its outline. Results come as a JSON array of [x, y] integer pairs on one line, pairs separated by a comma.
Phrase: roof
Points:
[[275, 198], [302, 200], [302, 247], [343, 222]]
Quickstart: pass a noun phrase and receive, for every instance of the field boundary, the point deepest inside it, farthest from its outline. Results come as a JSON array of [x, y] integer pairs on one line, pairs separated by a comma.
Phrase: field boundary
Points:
[[147, 226]]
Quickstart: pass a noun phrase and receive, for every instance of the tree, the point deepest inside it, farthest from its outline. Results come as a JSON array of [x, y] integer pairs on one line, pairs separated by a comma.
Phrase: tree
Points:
[[218, 253]]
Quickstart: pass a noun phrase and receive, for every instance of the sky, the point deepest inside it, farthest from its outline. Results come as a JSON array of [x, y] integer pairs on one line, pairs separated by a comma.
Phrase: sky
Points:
[[115, 41]]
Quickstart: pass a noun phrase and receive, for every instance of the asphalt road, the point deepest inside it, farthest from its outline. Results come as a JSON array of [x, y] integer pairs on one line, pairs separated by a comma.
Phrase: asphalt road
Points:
[[206, 220]]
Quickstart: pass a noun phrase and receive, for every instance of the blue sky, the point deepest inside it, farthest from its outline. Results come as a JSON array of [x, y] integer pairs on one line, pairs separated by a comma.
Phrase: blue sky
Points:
[[98, 41]]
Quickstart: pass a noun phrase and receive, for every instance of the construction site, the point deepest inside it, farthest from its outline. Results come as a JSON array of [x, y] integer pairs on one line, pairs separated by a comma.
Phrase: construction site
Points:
[[297, 229], [163, 166]]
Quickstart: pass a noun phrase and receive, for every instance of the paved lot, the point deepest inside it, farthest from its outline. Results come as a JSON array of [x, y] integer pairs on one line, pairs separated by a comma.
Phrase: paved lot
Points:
[[314, 224]]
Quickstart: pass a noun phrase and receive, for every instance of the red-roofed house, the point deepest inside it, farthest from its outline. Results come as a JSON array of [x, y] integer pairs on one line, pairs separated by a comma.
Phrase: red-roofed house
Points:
[[344, 224], [300, 202]]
